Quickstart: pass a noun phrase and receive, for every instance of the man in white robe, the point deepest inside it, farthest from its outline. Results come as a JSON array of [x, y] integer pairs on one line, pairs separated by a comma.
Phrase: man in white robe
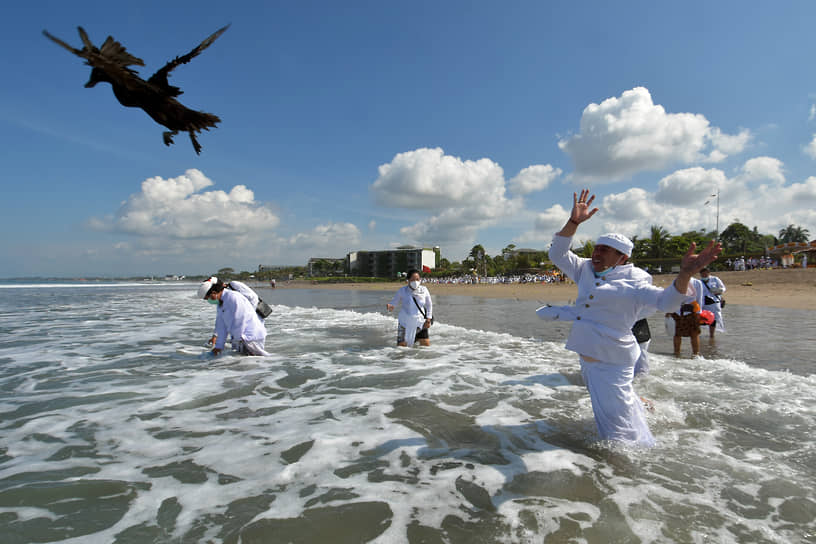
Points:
[[608, 304], [567, 313]]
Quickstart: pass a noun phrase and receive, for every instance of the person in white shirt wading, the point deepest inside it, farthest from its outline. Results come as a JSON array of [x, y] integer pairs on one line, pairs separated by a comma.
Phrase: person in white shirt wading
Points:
[[610, 299], [416, 313], [713, 289]]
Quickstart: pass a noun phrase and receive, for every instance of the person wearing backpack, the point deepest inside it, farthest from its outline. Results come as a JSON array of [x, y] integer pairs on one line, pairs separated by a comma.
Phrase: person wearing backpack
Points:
[[236, 316]]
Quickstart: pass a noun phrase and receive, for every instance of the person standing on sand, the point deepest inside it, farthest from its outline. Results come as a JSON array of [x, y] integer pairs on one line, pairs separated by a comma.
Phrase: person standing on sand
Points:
[[416, 314], [607, 306]]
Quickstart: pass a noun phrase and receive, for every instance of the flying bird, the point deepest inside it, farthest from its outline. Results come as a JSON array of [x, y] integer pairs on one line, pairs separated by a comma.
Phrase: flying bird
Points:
[[110, 63]]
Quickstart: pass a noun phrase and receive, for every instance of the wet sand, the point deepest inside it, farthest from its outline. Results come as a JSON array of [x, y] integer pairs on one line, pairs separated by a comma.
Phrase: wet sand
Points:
[[780, 288]]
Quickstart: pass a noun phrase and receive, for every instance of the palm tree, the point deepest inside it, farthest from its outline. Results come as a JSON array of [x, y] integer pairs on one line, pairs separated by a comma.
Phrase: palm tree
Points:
[[586, 249], [478, 255], [477, 252], [792, 233], [658, 241]]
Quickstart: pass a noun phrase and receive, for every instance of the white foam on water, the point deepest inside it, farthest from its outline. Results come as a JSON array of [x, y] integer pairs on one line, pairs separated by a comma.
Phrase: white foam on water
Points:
[[100, 285], [489, 428]]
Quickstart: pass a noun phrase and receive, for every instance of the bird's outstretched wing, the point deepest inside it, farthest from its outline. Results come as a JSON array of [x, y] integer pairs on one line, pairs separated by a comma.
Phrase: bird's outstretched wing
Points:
[[160, 77], [110, 57]]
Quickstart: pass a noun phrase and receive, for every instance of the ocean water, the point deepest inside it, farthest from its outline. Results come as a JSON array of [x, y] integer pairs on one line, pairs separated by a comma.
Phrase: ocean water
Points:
[[115, 426]]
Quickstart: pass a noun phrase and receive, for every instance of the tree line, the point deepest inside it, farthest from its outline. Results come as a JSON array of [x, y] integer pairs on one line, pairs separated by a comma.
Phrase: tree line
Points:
[[659, 249]]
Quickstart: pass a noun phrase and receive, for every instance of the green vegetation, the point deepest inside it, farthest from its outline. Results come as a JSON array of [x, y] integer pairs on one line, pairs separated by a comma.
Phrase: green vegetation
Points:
[[659, 249], [792, 233]]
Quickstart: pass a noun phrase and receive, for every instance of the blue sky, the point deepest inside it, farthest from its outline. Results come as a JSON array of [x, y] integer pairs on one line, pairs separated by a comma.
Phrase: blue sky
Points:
[[365, 125]]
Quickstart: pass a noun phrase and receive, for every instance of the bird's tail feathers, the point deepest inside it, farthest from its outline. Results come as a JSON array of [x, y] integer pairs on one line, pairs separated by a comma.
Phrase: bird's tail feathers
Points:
[[110, 52], [199, 120], [115, 52]]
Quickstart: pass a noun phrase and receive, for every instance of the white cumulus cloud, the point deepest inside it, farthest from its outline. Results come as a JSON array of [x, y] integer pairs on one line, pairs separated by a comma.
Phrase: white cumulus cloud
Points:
[[632, 204], [762, 169], [728, 144], [625, 135], [178, 209], [533, 178], [459, 196], [329, 237], [758, 190], [545, 224], [810, 149], [552, 219], [428, 179], [689, 187]]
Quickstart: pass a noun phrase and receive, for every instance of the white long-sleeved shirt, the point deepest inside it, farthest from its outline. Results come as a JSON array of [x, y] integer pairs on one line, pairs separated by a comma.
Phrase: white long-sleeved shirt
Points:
[[237, 316], [409, 313], [244, 289], [714, 287], [568, 313], [698, 288], [607, 307]]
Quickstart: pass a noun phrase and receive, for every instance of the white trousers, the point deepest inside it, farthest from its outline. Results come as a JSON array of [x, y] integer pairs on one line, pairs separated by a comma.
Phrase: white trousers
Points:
[[412, 324], [642, 364], [246, 347], [619, 413], [716, 309]]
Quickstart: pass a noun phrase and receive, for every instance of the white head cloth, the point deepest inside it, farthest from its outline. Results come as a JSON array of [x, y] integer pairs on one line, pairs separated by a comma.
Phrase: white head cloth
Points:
[[204, 288], [616, 241]]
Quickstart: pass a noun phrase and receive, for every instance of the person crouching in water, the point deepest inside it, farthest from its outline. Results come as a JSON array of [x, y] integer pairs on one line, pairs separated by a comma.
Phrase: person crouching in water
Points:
[[236, 316], [416, 314], [610, 299]]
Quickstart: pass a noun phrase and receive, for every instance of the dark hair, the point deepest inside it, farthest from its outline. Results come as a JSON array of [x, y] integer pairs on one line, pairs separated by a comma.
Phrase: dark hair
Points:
[[216, 287], [411, 272]]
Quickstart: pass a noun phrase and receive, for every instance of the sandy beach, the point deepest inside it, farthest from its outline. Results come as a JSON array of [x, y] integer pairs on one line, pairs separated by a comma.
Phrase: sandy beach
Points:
[[779, 288]]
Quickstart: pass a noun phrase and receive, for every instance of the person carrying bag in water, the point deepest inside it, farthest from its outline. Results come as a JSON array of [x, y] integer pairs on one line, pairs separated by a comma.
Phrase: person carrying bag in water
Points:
[[713, 300], [416, 314]]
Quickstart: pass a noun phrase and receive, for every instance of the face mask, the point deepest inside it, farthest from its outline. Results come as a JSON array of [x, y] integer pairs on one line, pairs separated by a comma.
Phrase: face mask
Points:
[[414, 284], [213, 300], [605, 272]]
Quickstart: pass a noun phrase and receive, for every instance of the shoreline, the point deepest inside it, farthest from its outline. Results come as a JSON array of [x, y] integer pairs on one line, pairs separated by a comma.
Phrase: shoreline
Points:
[[793, 289]]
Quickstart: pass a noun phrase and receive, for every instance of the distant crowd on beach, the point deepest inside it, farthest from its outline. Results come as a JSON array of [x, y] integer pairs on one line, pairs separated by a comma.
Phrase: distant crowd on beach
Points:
[[545, 277], [741, 264], [555, 276]]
